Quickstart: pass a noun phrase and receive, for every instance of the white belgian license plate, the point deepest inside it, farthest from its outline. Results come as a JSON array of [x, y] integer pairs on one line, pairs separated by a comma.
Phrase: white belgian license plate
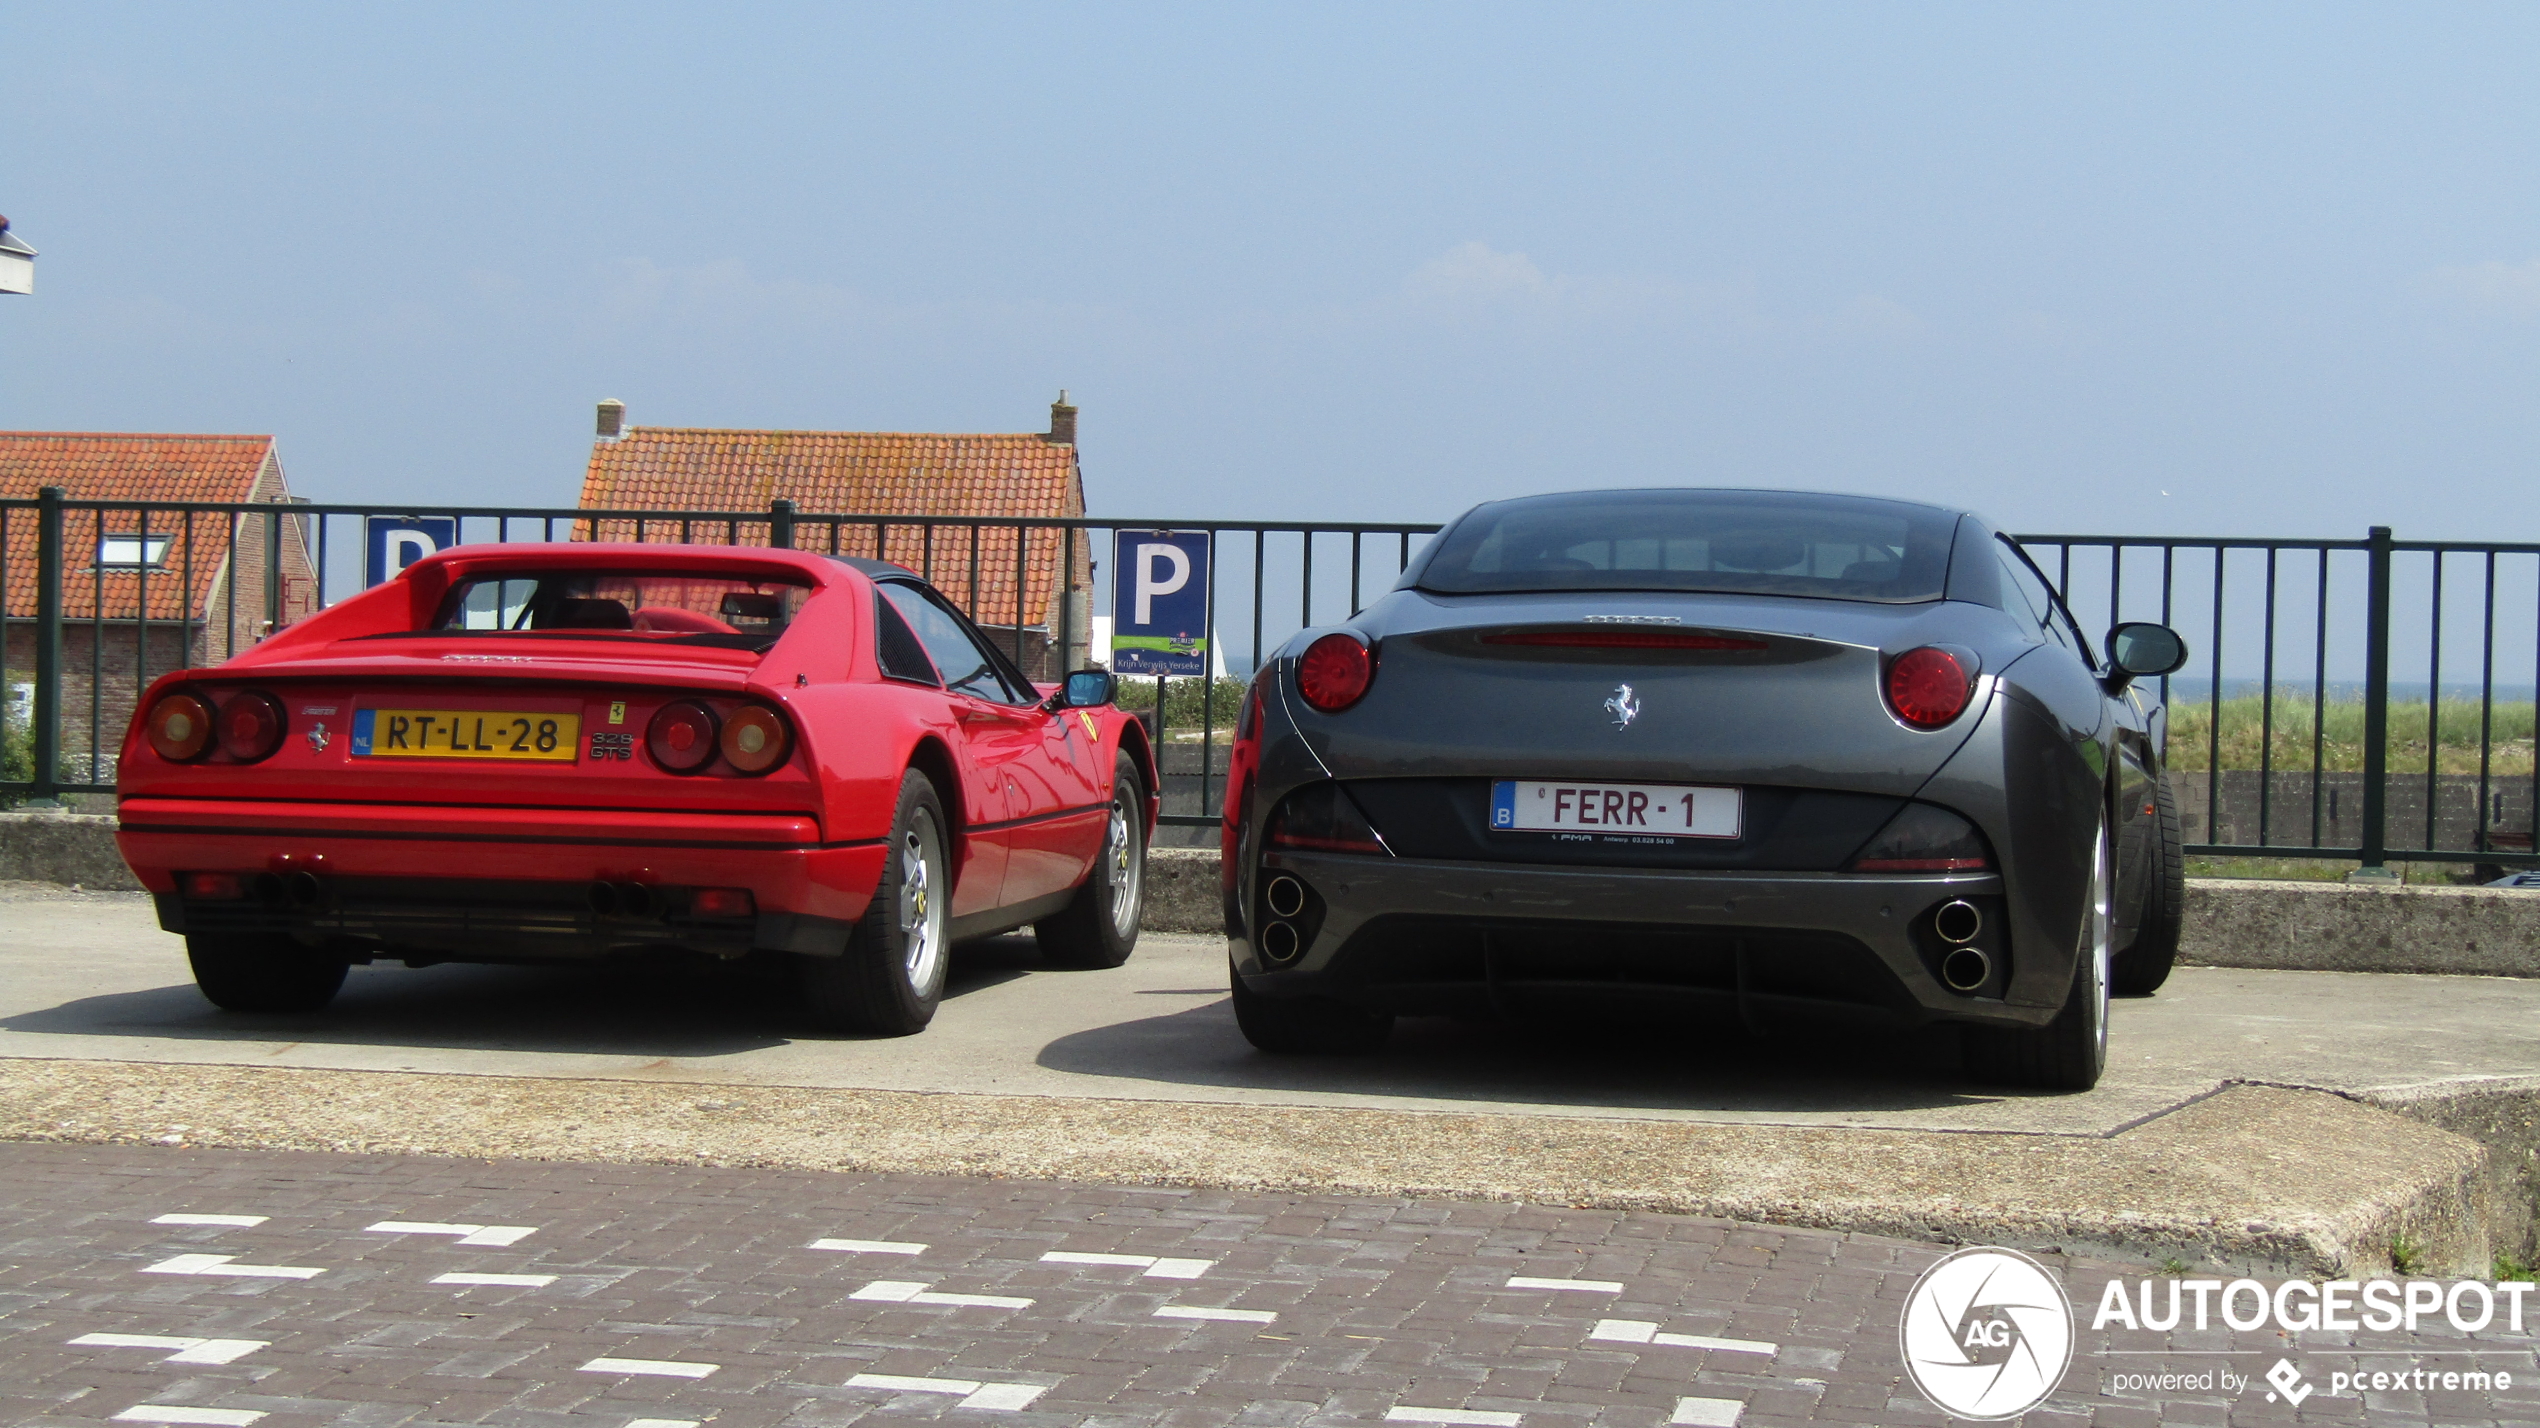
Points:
[[1644, 810]]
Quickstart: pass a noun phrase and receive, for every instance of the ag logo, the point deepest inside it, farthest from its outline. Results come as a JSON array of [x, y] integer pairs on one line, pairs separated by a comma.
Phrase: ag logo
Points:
[[1987, 1334]]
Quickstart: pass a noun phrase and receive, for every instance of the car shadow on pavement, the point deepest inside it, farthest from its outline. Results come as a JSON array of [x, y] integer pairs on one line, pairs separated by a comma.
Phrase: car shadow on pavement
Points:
[[1712, 1066], [671, 1009]]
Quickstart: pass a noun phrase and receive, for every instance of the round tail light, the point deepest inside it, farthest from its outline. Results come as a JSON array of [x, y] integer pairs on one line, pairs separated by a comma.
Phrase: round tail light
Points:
[[179, 728], [682, 736], [251, 726], [1928, 687], [754, 739], [1335, 672]]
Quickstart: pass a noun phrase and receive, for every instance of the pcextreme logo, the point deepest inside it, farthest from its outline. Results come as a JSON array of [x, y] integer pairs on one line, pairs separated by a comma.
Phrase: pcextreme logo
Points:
[[1987, 1334]]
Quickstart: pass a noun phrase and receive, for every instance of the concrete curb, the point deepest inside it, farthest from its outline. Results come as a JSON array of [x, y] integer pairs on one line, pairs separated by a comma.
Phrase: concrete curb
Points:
[[2354, 927], [68, 848], [2264, 1179]]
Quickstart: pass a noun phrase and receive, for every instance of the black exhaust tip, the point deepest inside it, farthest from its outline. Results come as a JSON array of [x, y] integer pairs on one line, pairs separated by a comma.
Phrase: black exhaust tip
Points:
[[271, 892], [636, 900], [304, 889], [1965, 969], [1285, 895], [1279, 943], [603, 897]]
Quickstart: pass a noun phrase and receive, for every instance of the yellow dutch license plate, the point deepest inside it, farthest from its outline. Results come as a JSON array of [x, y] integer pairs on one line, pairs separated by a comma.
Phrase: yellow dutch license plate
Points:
[[464, 734]]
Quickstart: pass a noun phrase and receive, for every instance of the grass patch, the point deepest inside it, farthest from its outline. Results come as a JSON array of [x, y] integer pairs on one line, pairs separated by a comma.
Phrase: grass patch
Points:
[[2247, 731], [2507, 1267], [2406, 1255]]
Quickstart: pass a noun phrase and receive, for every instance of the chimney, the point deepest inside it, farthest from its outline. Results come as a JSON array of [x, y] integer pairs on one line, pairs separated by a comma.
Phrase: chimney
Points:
[[612, 419], [1062, 430]]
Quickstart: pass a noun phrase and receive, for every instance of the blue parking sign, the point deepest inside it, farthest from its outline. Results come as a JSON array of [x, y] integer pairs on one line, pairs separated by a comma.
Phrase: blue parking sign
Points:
[[1159, 602], [395, 542]]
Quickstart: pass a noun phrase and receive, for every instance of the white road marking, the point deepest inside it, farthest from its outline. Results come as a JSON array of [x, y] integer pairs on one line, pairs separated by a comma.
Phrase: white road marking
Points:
[[496, 1235], [661, 1423], [1598, 1286], [212, 1417], [1641, 1331], [995, 1397], [903, 1291], [668, 1368], [1473, 1418], [869, 1246], [241, 1221], [188, 1351], [1708, 1412], [1155, 1268], [1231, 1316], [513, 1281], [219, 1264]]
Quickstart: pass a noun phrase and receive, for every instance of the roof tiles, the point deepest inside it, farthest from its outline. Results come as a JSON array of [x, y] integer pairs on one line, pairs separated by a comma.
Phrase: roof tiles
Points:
[[828, 473], [118, 466]]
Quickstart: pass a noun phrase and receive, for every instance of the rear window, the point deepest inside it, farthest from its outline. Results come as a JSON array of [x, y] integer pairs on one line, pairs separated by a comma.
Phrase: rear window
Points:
[[1725, 542], [680, 608]]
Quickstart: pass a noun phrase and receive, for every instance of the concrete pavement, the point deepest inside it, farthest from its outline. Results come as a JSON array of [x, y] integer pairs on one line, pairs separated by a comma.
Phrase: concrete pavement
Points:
[[91, 976]]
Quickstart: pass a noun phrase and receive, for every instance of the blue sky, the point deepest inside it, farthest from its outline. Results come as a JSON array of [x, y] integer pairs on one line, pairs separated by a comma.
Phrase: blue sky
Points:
[[2194, 269]]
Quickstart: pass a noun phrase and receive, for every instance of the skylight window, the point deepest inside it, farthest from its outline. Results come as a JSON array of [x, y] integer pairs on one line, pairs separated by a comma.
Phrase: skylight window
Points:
[[132, 552]]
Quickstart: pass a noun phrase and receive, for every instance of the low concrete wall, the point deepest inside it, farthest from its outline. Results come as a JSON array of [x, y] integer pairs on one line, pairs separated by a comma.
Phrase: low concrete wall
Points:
[[68, 848], [2357, 927]]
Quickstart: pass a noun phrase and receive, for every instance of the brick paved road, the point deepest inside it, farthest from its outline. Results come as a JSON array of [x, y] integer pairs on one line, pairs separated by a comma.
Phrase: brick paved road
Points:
[[317, 1289]]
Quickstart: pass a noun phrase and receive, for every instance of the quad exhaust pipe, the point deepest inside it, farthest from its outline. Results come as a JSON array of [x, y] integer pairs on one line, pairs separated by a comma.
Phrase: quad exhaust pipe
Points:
[[1957, 922], [1965, 969], [624, 900], [294, 891], [1280, 941]]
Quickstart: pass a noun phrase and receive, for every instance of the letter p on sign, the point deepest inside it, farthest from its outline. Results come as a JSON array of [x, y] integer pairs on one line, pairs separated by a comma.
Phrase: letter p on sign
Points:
[[1152, 583]]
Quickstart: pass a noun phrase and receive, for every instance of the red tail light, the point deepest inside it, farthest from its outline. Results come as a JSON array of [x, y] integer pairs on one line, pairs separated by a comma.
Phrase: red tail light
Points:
[[251, 726], [682, 737], [1623, 640], [1335, 672], [753, 739], [179, 728], [723, 902], [1929, 687]]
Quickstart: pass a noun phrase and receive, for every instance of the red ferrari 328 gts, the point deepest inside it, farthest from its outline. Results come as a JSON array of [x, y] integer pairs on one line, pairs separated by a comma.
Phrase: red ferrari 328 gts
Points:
[[542, 753]]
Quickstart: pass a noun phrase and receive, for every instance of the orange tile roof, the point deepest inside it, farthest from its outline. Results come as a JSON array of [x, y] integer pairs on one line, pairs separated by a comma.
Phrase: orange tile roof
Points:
[[858, 473], [118, 466]]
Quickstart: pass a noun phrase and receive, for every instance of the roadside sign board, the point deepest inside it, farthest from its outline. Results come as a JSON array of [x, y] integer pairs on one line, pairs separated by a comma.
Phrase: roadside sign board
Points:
[[394, 542], [1159, 602]]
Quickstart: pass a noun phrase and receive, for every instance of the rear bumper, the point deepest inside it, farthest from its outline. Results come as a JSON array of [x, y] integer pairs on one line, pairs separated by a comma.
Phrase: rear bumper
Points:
[[495, 884], [1418, 937]]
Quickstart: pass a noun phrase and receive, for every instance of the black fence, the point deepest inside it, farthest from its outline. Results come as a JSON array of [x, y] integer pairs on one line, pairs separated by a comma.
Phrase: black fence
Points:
[[2299, 729]]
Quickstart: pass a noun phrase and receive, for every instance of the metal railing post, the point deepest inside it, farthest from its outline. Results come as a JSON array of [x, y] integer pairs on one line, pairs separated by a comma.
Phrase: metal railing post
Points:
[[1066, 597], [2376, 708], [273, 569], [780, 523], [48, 649]]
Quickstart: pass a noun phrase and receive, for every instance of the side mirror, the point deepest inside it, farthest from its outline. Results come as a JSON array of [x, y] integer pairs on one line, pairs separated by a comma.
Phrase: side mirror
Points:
[[2140, 649], [1088, 689]]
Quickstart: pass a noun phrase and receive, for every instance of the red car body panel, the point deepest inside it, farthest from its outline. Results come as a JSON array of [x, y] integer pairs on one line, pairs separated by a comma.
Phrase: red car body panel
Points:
[[1025, 786]]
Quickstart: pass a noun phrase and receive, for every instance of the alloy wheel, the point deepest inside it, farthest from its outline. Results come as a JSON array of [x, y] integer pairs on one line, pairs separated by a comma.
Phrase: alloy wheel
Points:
[[921, 912]]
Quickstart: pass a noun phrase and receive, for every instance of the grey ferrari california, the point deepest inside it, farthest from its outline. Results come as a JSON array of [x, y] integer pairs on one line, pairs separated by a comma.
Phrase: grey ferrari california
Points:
[[1758, 755]]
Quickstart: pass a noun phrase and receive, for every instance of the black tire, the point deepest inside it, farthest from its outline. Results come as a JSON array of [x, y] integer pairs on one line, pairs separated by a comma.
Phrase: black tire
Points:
[[2068, 1053], [891, 977], [1308, 1026], [2142, 968], [1100, 927], [245, 973]]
